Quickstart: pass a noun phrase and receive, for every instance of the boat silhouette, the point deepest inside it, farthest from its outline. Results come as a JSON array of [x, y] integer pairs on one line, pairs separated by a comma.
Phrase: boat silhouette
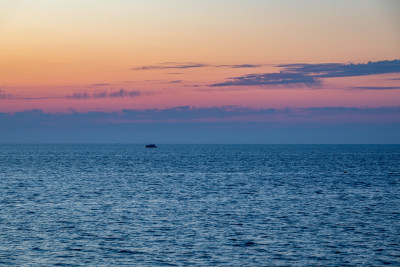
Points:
[[151, 146]]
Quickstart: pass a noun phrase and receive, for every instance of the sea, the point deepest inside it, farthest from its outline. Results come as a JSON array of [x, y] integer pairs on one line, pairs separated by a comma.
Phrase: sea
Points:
[[199, 205]]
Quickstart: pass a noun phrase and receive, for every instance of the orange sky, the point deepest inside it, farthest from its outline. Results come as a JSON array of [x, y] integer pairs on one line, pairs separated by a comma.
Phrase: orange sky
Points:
[[50, 50]]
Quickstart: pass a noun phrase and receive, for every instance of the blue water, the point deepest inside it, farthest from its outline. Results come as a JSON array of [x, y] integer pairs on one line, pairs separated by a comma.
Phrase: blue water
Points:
[[102, 205]]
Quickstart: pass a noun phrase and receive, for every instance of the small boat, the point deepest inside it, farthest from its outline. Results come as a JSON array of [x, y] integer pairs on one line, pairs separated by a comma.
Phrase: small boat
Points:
[[151, 146]]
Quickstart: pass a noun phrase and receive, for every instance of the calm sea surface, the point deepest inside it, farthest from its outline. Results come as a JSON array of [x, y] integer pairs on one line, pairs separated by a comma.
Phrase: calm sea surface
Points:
[[102, 205]]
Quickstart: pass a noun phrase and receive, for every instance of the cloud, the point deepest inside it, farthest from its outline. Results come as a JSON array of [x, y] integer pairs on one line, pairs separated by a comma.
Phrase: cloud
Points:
[[175, 65], [329, 70], [115, 94], [84, 95], [241, 66], [269, 79], [376, 87], [175, 81], [228, 124], [188, 114], [8, 96], [310, 74], [171, 65], [4, 95], [123, 93]]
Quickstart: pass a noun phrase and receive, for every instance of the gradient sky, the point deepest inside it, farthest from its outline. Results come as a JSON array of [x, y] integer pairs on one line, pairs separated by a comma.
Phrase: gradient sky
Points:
[[258, 66]]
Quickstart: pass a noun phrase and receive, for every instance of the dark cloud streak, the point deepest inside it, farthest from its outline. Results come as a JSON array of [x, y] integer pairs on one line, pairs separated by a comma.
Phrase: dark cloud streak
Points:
[[175, 81], [330, 70], [115, 94], [122, 93], [269, 79], [8, 96], [240, 66], [310, 74], [175, 65], [171, 65]]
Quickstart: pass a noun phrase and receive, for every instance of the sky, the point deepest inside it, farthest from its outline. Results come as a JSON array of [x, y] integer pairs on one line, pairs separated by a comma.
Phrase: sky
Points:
[[185, 71]]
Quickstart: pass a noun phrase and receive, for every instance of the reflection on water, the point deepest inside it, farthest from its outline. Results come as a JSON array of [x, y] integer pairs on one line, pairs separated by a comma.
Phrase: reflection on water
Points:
[[199, 204]]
